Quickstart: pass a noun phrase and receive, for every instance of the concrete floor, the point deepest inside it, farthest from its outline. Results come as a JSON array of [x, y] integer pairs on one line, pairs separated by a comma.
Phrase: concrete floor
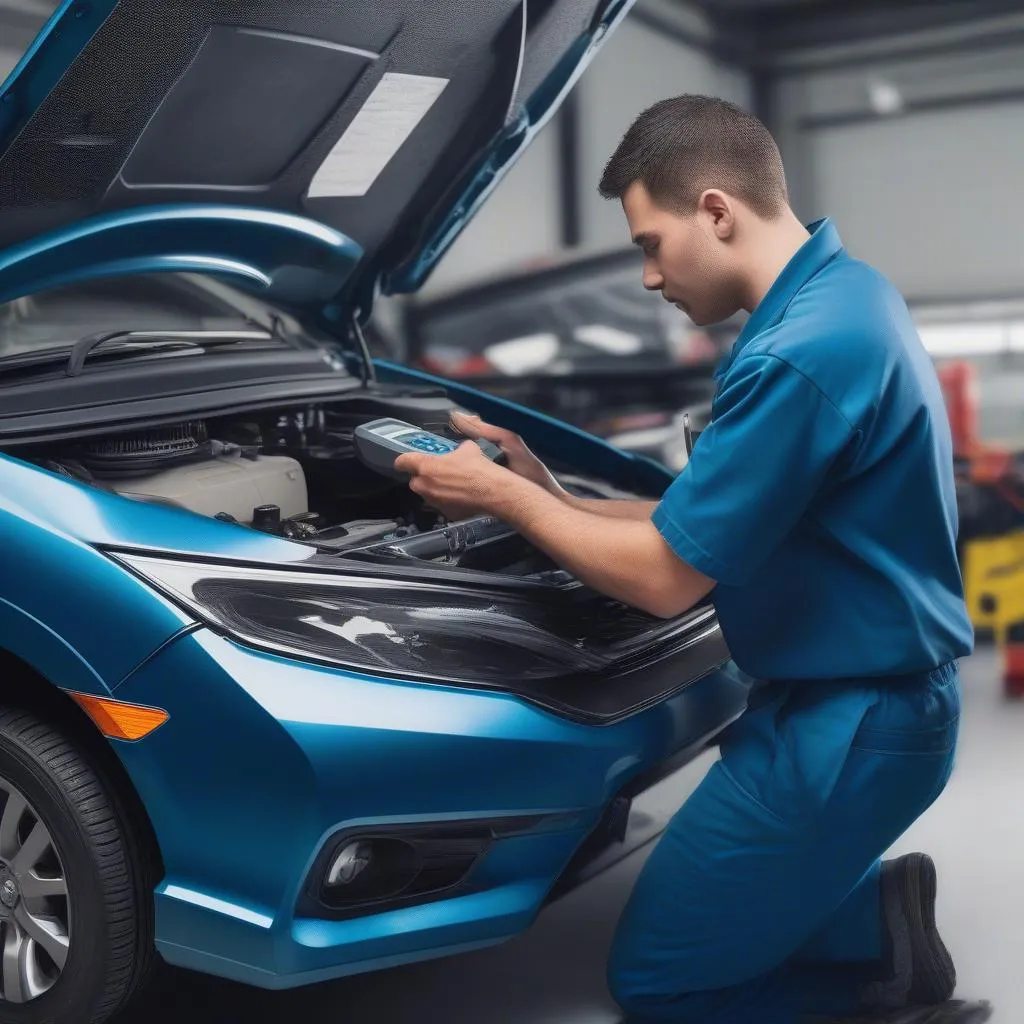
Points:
[[554, 974]]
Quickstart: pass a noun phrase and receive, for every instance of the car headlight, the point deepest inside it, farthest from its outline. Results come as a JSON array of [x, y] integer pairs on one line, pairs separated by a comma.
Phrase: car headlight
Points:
[[399, 627]]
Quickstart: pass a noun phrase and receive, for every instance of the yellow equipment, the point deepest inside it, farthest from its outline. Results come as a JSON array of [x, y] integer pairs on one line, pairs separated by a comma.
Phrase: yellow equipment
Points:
[[993, 571]]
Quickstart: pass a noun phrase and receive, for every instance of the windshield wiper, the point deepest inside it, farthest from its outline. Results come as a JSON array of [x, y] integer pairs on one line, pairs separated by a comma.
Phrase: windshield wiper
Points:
[[127, 342], [84, 347]]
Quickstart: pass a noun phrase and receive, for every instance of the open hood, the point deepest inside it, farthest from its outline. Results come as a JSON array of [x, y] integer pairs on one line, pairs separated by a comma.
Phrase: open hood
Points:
[[319, 151]]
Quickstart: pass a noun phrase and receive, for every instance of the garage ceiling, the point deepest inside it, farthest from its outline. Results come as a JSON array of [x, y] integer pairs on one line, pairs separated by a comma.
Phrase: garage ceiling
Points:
[[756, 34], [784, 25], [745, 26]]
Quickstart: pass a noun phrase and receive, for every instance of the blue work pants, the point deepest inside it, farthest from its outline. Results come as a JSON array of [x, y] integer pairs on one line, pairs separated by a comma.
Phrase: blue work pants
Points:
[[761, 902]]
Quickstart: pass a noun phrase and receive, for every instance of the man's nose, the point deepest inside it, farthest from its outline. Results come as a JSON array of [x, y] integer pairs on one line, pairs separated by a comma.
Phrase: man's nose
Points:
[[653, 279]]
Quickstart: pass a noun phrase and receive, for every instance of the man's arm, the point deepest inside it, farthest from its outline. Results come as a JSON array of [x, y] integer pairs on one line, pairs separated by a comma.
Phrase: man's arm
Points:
[[625, 558], [614, 508]]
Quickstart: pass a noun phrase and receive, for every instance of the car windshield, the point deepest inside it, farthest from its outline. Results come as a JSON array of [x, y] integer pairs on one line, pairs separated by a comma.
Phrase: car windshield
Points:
[[173, 302]]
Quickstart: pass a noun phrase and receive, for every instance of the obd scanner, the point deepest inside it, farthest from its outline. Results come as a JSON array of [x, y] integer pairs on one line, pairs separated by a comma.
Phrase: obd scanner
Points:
[[380, 442]]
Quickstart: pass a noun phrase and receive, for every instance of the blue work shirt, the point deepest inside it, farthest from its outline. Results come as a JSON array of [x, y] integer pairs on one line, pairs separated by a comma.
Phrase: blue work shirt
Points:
[[820, 497]]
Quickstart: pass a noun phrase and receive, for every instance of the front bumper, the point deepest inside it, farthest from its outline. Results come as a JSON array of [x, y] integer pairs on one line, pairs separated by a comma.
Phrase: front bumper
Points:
[[265, 760]]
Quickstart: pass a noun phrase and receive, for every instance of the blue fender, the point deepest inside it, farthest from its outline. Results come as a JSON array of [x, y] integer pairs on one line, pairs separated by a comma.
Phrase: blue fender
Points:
[[101, 622], [46, 653]]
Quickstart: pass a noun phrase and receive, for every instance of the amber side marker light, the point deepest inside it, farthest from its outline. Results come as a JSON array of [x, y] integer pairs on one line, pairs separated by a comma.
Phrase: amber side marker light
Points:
[[118, 720]]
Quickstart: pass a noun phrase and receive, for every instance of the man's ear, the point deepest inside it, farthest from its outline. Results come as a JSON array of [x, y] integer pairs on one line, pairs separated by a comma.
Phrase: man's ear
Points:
[[720, 212]]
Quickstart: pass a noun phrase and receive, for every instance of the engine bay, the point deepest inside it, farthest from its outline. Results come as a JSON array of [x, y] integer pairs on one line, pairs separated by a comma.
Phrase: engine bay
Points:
[[294, 473]]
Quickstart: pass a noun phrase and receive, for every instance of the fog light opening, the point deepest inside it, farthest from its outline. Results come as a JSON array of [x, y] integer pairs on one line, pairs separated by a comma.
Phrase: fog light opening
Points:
[[369, 869], [377, 871], [351, 861]]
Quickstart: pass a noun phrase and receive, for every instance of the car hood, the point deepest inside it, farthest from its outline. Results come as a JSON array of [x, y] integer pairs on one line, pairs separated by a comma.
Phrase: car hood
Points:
[[318, 152]]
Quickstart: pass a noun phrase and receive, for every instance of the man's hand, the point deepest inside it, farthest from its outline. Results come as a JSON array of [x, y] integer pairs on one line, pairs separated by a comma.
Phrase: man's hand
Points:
[[461, 484], [519, 458], [524, 463]]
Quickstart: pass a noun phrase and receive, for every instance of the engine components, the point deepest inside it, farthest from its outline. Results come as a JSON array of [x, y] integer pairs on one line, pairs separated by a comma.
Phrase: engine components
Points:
[[228, 485]]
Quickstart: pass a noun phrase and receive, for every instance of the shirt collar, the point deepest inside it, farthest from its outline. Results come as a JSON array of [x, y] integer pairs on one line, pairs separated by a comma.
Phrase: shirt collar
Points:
[[821, 247]]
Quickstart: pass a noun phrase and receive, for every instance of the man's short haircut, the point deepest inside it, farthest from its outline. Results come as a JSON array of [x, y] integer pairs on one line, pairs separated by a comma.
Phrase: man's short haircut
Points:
[[679, 147]]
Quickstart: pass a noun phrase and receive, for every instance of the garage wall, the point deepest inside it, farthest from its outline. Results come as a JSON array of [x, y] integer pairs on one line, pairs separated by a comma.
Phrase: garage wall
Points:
[[20, 20], [8, 58], [519, 221], [932, 194], [10, 51], [636, 67]]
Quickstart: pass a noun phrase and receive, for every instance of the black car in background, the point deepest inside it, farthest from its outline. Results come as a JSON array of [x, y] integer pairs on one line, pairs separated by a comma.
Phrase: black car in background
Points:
[[579, 339]]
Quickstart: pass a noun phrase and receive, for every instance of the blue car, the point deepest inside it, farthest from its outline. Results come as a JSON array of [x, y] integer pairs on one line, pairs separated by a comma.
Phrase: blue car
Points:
[[264, 714]]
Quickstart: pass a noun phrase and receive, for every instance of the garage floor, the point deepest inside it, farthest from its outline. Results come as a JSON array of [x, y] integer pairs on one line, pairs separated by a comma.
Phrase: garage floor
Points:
[[555, 973]]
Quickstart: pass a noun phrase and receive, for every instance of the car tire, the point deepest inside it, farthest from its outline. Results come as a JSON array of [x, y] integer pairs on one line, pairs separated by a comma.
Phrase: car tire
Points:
[[106, 914]]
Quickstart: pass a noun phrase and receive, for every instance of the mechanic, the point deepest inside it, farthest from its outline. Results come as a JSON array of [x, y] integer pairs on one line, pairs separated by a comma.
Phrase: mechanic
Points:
[[818, 510]]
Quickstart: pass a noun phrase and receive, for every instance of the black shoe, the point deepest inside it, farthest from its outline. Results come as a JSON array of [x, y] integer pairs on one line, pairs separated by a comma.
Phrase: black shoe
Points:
[[920, 971], [953, 1011]]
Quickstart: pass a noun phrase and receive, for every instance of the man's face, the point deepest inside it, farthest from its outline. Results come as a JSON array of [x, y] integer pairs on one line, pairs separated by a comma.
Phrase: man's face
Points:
[[684, 258]]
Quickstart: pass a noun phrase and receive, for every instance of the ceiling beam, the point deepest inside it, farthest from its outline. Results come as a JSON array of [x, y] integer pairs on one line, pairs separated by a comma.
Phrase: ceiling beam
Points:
[[845, 22], [920, 105], [774, 35], [735, 47]]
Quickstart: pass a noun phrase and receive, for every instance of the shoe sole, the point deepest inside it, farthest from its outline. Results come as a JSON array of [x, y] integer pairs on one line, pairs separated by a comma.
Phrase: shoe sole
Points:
[[955, 1012], [979, 1014], [934, 974]]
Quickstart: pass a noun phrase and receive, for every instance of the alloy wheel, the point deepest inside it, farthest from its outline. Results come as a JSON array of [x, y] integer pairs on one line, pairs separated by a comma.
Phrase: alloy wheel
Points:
[[34, 906]]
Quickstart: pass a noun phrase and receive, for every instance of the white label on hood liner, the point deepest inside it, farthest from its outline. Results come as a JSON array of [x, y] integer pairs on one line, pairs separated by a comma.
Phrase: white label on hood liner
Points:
[[386, 120]]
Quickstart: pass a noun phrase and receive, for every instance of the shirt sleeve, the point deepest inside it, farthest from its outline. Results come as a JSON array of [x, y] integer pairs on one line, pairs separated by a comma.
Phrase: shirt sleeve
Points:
[[754, 470]]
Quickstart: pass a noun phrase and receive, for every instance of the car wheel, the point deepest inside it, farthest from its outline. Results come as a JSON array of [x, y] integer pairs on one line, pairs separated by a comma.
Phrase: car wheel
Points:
[[75, 918]]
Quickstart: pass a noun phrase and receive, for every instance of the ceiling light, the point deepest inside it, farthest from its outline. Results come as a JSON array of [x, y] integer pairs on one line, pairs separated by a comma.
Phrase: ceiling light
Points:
[[885, 97]]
